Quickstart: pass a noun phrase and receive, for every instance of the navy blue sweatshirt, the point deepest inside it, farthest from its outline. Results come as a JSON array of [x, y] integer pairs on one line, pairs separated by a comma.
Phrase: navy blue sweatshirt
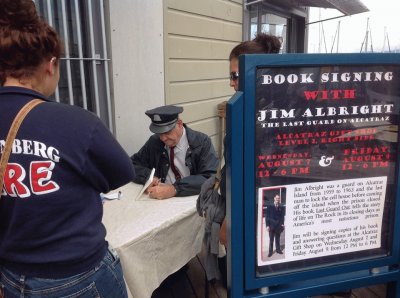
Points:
[[50, 210]]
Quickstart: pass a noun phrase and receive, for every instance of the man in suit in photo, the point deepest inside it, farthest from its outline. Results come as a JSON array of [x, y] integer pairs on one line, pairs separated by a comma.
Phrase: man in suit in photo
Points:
[[275, 224]]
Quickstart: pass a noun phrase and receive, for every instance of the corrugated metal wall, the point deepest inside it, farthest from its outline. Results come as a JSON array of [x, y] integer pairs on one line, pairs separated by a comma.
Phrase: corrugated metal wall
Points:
[[198, 37]]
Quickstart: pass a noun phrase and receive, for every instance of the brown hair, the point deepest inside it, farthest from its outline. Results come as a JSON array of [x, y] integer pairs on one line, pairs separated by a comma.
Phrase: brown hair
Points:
[[262, 44], [25, 39]]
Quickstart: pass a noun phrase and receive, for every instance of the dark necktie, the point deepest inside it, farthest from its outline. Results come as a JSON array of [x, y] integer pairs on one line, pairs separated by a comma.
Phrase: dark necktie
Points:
[[171, 161]]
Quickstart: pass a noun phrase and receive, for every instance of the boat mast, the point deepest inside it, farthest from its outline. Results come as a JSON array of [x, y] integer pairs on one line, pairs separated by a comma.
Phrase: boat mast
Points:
[[334, 39], [386, 39], [365, 42]]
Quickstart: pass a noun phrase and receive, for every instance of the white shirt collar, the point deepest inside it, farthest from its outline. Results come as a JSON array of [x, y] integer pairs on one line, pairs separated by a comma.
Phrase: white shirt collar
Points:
[[183, 143]]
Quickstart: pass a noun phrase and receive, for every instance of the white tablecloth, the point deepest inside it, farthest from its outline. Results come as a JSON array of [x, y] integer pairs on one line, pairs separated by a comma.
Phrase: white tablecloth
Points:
[[153, 238]]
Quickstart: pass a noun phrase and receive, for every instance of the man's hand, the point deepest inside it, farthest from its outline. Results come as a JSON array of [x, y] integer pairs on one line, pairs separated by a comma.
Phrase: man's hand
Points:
[[161, 191], [155, 182]]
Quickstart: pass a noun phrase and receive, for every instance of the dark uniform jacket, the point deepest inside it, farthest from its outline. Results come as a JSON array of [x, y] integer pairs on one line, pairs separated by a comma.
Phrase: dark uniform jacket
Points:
[[201, 159]]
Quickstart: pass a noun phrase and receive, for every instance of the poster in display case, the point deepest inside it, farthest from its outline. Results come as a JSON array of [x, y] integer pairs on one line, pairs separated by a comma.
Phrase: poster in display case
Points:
[[320, 159], [328, 136]]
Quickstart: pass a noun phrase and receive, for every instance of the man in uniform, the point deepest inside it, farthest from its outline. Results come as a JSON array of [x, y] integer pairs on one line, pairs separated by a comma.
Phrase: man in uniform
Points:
[[275, 224], [182, 158]]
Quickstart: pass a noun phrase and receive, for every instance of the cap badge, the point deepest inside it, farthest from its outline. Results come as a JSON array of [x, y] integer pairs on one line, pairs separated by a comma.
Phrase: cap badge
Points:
[[157, 118]]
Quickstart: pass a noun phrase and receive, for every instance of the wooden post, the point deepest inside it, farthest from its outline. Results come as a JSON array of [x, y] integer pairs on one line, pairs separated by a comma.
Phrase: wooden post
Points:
[[221, 112]]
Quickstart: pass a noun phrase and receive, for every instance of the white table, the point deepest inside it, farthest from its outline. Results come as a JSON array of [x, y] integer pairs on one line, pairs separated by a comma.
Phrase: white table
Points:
[[154, 238]]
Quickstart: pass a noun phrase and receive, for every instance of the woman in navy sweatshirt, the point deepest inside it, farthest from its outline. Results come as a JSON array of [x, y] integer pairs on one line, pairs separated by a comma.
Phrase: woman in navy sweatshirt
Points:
[[52, 240]]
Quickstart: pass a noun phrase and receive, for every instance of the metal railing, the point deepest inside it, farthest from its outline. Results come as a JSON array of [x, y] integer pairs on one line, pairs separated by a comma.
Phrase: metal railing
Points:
[[84, 74]]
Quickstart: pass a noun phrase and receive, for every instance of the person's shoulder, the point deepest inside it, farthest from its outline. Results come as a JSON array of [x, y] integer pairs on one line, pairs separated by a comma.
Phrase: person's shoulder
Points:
[[196, 136], [154, 141], [71, 116], [70, 110]]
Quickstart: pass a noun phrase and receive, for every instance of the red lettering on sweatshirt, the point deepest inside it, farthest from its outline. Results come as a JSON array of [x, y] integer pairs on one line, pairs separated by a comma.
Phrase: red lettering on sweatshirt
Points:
[[40, 182]]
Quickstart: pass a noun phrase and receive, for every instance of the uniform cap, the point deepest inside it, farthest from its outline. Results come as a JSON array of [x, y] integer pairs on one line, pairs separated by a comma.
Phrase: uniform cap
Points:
[[163, 119]]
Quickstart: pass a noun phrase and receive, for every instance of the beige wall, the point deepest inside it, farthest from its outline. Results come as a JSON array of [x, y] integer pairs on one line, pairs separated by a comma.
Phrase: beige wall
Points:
[[170, 52], [198, 37], [137, 67]]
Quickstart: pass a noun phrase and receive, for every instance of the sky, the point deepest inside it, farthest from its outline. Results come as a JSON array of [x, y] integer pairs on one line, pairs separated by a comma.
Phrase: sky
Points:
[[383, 15]]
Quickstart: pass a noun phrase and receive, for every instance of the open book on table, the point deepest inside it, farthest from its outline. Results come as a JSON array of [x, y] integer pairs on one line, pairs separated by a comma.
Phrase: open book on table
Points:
[[146, 185]]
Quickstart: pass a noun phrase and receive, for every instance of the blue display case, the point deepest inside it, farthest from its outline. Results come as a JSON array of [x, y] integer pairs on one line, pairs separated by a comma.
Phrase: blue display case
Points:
[[321, 133]]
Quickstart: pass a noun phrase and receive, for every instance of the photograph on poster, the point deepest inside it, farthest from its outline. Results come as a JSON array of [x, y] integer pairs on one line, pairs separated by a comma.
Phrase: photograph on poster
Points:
[[272, 223], [325, 218], [326, 137]]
